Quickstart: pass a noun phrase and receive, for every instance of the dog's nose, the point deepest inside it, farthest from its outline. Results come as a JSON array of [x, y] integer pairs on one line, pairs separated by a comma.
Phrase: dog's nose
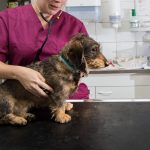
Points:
[[103, 58], [106, 63]]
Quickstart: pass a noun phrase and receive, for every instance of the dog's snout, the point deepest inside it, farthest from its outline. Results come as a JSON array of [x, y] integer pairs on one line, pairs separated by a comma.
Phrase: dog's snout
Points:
[[105, 61], [99, 62], [103, 58]]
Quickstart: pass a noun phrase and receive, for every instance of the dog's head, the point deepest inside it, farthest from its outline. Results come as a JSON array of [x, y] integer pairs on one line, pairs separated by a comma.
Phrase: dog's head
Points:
[[82, 51]]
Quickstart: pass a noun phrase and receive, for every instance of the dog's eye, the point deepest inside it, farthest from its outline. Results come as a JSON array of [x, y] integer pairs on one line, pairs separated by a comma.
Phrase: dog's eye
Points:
[[94, 49]]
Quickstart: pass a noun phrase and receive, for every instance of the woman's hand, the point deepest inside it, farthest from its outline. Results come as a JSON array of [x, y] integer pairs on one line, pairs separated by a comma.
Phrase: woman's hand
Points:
[[32, 81]]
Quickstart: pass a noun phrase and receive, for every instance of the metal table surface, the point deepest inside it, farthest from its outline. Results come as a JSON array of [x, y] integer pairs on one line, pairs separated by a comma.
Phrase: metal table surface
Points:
[[94, 126]]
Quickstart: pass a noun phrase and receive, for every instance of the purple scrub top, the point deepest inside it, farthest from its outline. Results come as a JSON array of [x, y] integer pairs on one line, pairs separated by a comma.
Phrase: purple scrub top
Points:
[[22, 34]]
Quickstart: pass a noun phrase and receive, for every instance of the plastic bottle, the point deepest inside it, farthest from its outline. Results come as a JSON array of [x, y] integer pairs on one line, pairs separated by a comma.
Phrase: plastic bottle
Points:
[[134, 22]]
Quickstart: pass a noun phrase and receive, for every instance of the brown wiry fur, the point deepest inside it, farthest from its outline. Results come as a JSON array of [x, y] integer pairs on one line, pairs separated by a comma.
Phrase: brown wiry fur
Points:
[[15, 101]]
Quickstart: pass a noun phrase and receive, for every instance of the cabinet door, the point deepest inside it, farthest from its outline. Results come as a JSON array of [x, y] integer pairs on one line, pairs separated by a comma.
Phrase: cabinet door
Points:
[[114, 92], [142, 92], [92, 92]]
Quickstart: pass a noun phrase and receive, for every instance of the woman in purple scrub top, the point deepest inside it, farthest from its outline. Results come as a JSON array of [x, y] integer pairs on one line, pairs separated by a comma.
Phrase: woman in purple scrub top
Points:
[[23, 31]]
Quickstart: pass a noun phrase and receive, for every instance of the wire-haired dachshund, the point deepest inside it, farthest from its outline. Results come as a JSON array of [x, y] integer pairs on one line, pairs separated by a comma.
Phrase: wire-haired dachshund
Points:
[[62, 72]]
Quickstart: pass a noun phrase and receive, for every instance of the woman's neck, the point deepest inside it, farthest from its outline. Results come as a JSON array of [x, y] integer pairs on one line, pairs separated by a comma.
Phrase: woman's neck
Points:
[[38, 10]]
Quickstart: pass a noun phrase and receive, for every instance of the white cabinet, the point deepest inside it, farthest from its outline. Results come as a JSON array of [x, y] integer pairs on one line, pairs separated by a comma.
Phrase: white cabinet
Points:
[[85, 10], [74, 3], [118, 86]]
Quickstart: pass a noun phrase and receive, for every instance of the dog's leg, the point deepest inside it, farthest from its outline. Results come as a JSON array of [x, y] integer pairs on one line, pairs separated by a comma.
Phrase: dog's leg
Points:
[[13, 119], [7, 115], [60, 115], [68, 106]]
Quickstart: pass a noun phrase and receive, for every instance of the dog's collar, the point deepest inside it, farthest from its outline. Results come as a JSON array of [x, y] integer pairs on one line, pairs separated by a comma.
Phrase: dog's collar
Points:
[[69, 65]]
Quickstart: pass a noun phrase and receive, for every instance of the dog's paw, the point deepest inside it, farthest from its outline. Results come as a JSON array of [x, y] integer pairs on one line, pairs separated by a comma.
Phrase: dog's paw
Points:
[[18, 121], [63, 118], [68, 106]]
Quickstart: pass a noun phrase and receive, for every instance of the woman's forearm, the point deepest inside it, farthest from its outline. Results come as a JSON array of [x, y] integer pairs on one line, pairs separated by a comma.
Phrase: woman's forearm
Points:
[[31, 80], [8, 71]]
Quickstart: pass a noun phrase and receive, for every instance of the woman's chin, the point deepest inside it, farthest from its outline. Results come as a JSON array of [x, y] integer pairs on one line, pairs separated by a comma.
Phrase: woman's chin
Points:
[[53, 12]]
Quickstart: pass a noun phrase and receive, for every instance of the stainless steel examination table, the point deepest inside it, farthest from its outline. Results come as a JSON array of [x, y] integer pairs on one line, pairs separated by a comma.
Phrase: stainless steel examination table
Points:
[[94, 126]]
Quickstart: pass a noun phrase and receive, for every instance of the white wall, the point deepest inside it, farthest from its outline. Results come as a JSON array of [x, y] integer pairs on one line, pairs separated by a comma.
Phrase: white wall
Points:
[[124, 42]]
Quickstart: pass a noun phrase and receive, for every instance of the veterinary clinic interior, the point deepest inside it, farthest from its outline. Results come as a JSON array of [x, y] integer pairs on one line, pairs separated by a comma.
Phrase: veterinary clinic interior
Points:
[[116, 113]]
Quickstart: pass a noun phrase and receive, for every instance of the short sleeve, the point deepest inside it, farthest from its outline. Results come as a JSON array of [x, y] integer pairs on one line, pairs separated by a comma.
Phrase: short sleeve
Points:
[[83, 29], [3, 38]]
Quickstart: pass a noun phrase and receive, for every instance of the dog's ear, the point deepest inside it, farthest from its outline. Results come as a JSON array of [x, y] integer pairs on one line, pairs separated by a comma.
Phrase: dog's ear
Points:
[[76, 56]]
